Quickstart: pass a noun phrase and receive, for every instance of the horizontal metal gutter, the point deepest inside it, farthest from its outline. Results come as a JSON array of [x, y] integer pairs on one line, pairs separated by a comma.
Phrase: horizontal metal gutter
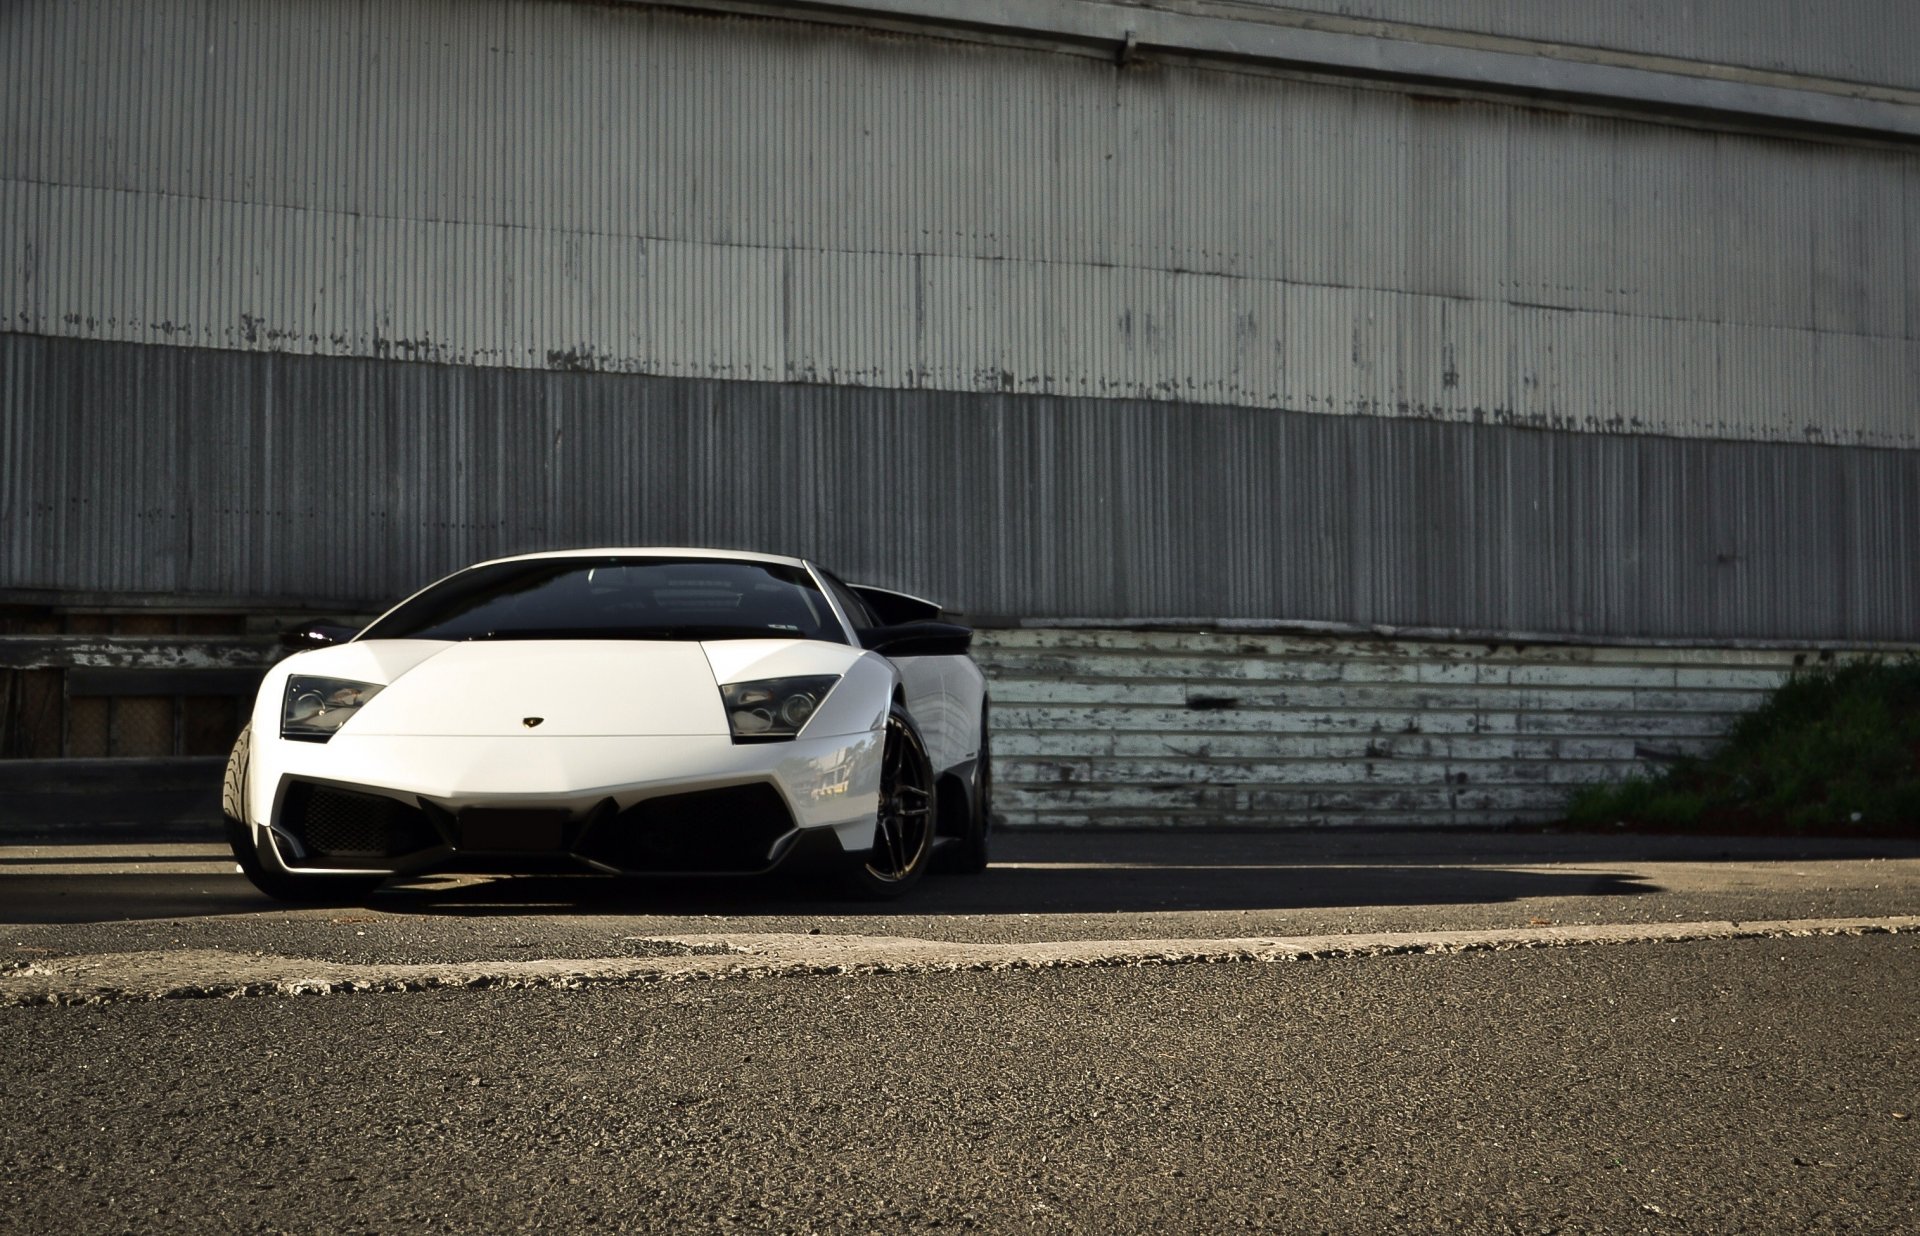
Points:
[[1448, 60]]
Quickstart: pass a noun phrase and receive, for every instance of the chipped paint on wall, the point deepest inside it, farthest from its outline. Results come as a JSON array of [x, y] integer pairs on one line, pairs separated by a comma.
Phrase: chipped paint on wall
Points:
[[1137, 728]]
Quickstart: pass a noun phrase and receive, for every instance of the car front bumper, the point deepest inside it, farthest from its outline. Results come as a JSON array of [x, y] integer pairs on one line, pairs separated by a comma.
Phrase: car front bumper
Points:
[[406, 805]]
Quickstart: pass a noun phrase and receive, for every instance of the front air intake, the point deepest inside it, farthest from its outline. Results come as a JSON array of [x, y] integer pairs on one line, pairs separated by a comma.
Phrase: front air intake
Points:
[[340, 825], [726, 830]]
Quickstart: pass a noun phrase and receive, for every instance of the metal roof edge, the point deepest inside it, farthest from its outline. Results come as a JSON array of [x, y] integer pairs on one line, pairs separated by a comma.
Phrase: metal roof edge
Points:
[[1648, 85]]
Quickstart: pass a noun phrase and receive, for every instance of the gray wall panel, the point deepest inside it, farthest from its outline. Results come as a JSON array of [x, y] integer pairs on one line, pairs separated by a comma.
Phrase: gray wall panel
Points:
[[181, 471], [531, 184]]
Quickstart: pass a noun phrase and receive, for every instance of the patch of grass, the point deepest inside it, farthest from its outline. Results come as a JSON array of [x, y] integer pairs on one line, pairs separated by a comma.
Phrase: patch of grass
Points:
[[1835, 749]]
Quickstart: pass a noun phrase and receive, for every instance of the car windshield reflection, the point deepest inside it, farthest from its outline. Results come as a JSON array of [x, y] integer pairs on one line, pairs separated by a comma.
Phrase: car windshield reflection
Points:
[[617, 598]]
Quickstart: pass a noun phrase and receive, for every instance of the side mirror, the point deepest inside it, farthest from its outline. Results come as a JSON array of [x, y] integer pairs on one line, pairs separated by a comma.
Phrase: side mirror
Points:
[[918, 639], [316, 635]]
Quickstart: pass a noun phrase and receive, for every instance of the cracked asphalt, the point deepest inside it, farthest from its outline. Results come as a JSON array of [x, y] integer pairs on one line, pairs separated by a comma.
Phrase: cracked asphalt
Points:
[[1679, 1084]]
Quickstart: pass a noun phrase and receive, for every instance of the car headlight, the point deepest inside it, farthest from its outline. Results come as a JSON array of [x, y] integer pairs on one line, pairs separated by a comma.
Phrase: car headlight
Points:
[[315, 707], [774, 707]]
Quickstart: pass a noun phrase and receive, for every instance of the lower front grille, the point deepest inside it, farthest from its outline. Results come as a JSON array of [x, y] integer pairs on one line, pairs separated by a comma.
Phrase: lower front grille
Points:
[[342, 824], [726, 830]]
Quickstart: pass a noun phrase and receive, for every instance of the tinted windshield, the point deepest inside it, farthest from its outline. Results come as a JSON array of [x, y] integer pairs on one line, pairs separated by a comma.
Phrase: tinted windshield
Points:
[[617, 598]]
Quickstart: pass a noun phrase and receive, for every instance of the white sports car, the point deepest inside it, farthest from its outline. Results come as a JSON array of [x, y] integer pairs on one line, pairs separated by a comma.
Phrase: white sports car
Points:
[[624, 711]]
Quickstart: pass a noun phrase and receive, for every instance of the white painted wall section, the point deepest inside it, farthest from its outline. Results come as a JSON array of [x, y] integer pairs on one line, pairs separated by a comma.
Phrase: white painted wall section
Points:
[[1103, 728]]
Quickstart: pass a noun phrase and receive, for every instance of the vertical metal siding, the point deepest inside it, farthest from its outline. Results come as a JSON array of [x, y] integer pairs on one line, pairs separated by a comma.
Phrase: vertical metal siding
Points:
[[130, 468], [549, 186]]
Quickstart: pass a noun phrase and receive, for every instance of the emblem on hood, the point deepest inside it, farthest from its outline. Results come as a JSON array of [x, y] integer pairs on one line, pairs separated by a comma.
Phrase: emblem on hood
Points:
[[530, 722]]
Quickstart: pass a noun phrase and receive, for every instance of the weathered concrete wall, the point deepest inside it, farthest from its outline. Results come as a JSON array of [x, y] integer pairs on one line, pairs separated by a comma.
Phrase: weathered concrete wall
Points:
[[1137, 728]]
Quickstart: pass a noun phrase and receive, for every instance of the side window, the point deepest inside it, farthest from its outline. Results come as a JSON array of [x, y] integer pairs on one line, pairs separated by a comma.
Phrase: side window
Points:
[[857, 611]]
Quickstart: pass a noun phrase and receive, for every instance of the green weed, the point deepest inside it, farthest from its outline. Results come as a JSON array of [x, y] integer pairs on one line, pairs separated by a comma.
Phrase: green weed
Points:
[[1833, 749]]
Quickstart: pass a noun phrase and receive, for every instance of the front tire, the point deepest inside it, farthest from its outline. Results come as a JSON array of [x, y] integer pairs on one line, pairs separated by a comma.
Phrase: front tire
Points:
[[266, 873], [903, 831]]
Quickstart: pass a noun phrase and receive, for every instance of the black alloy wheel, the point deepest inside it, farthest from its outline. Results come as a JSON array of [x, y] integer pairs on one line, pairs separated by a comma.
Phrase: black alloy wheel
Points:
[[903, 831]]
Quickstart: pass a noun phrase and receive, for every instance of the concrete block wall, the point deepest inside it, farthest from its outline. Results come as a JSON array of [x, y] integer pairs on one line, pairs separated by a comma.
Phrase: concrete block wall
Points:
[[1156, 728]]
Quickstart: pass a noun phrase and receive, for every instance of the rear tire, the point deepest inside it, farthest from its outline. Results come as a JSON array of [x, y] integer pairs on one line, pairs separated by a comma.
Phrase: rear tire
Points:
[[970, 855], [904, 827], [265, 872]]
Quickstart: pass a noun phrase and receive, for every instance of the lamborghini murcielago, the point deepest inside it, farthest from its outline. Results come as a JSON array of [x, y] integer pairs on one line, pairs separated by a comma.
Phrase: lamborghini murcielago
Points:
[[656, 711]]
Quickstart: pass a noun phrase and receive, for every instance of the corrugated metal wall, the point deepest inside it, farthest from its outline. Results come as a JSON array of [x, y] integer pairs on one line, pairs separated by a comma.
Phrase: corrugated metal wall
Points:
[[530, 184], [1848, 40], [1116, 728], [318, 299], [171, 470]]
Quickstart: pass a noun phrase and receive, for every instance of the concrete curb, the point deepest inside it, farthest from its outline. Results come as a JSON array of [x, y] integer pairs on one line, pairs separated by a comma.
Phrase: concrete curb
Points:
[[163, 975]]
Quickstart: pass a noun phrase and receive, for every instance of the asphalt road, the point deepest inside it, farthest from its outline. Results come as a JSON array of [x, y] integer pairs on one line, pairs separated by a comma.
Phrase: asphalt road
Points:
[[1701, 1085], [1048, 886]]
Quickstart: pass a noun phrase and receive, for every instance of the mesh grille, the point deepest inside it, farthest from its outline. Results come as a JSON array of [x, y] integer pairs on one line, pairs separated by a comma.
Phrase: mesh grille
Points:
[[341, 824]]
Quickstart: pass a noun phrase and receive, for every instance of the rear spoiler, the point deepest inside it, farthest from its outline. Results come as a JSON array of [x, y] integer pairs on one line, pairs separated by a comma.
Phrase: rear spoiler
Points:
[[893, 608]]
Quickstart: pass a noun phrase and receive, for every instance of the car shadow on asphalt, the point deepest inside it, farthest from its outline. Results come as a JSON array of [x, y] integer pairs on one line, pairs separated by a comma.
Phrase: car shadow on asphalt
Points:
[[1095, 873], [1033, 874], [1032, 888], [1093, 888]]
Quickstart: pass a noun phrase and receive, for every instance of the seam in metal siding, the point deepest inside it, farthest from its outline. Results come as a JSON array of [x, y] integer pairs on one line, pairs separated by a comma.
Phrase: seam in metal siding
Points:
[[550, 186], [1868, 41], [189, 471], [1114, 729]]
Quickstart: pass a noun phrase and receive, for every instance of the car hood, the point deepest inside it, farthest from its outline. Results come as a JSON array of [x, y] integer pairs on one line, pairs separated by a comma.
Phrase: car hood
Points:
[[557, 688], [550, 688]]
